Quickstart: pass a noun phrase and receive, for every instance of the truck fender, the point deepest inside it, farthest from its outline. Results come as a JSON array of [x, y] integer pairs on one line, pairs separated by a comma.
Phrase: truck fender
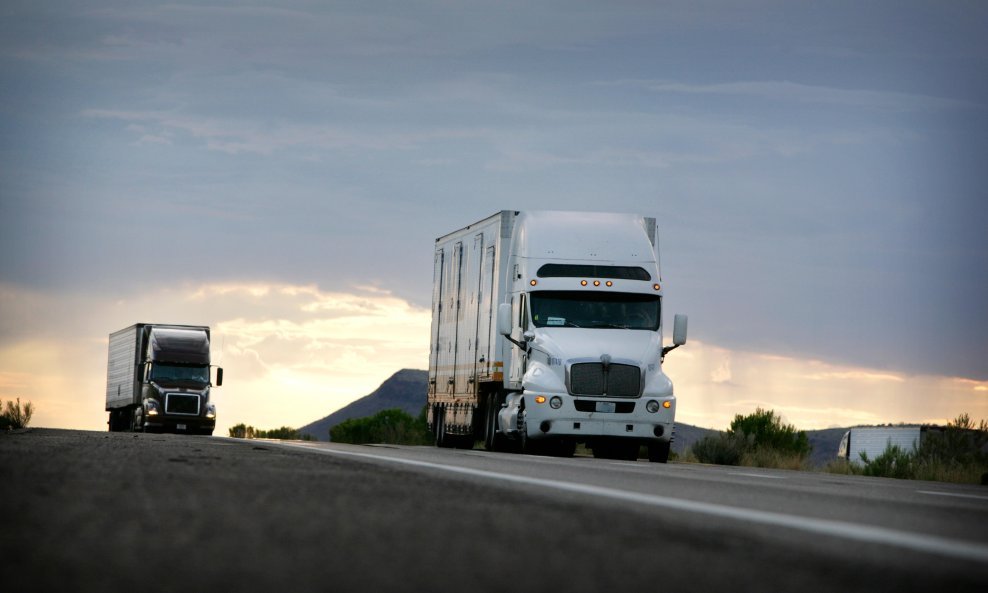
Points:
[[508, 416]]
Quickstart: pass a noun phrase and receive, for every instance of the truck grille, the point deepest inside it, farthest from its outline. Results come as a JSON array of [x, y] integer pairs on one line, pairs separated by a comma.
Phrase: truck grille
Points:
[[180, 403], [590, 378]]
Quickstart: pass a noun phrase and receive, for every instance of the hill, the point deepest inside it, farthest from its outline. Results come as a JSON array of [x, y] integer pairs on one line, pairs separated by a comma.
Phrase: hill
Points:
[[405, 390], [824, 443]]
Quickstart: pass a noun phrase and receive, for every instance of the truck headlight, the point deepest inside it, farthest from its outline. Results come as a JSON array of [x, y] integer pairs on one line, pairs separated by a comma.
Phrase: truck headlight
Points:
[[154, 408], [652, 406], [556, 402], [211, 411]]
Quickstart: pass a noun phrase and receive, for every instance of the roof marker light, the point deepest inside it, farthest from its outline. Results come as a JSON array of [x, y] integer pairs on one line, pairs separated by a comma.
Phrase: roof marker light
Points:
[[609, 283], [596, 282], [656, 287], [534, 282], [583, 282]]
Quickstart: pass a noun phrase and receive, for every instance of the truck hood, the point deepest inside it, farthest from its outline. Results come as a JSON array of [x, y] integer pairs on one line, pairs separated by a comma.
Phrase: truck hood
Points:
[[572, 344]]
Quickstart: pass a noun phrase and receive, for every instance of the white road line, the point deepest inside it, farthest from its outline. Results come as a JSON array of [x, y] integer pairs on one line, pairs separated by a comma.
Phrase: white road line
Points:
[[767, 477], [956, 495], [876, 535]]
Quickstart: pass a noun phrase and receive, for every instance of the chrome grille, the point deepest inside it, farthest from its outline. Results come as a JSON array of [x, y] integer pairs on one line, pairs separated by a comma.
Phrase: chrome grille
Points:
[[619, 380], [181, 403], [586, 379]]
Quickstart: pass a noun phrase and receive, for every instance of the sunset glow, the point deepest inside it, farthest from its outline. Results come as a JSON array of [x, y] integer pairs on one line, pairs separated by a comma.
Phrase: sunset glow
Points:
[[295, 353]]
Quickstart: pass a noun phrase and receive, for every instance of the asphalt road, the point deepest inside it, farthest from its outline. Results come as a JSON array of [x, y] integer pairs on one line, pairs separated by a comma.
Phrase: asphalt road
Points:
[[89, 511]]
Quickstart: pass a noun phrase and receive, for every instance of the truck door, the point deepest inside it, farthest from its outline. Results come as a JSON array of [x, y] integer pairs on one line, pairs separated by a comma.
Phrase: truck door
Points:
[[449, 322], [485, 314], [437, 311], [519, 306], [466, 356]]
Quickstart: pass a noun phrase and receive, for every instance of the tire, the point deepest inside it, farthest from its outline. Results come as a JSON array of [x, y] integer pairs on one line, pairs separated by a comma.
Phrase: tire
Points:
[[525, 444], [659, 453], [439, 422], [492, 440]]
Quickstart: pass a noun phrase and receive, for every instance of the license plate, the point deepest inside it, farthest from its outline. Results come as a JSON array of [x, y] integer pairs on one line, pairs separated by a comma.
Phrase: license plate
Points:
[[179, 427], [608, 407]]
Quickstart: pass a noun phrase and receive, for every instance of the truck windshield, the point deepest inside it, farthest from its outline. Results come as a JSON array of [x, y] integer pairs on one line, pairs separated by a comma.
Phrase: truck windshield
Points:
[[595, 309], [176, 372]]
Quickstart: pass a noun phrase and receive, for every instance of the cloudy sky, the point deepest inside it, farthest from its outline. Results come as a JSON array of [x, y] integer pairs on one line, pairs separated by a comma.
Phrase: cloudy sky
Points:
[[279, 171]]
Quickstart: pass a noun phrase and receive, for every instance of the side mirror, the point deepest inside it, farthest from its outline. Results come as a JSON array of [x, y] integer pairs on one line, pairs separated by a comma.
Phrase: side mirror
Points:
[[504, 319], [679, 330], [219, 376]]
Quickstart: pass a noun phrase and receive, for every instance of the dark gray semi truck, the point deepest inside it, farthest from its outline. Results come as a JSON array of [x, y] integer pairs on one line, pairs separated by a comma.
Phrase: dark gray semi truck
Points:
[[158, 379]]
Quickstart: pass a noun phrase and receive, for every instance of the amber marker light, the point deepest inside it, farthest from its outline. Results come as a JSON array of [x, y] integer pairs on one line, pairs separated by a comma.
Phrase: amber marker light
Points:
[[656, 286], [583, 282], [667, 404], [534, 282], [609, 283], [596, 282], [540, 399]]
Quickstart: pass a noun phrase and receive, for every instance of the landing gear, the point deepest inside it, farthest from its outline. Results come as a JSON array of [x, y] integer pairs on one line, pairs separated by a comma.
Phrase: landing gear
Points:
[[443, 438]]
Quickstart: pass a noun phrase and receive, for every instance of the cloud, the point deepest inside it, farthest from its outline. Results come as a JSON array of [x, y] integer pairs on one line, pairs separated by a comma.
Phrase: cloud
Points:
[[713, 384], [236, 136], [791, 92]]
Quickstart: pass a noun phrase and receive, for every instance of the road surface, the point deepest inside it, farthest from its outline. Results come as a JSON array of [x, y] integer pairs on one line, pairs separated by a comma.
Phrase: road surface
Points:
[[91, 511]]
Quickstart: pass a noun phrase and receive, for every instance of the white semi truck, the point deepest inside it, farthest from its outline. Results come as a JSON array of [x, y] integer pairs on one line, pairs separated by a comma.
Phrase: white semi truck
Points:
[[547, 332]]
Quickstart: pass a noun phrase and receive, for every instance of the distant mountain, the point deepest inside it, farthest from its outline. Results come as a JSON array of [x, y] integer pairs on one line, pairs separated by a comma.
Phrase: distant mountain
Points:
[[824, 443], [685, 436], [405, 390]]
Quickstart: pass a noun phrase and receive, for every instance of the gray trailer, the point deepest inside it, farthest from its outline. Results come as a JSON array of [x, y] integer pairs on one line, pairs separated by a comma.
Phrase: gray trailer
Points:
[[158, 378]]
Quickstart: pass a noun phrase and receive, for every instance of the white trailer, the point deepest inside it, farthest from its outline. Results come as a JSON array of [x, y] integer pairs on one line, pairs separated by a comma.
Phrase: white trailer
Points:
[[874, 440], [547, 331]]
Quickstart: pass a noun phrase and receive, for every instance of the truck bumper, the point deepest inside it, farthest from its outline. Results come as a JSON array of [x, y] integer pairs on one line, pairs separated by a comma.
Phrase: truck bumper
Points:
[[542, 421], [181, 425]]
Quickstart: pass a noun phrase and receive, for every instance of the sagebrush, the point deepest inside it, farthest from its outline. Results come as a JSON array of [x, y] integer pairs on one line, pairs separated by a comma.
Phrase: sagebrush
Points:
[[759, 439], [393, 426], [15, 415]]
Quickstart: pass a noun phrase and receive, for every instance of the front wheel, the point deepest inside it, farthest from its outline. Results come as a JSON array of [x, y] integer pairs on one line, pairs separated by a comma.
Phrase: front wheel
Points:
[[493, 440], [659, 453]]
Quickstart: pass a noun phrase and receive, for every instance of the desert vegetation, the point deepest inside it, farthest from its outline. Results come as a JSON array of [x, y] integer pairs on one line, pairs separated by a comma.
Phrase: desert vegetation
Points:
[[15, 415], [285, 433], [392, 426], [759, 439]]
